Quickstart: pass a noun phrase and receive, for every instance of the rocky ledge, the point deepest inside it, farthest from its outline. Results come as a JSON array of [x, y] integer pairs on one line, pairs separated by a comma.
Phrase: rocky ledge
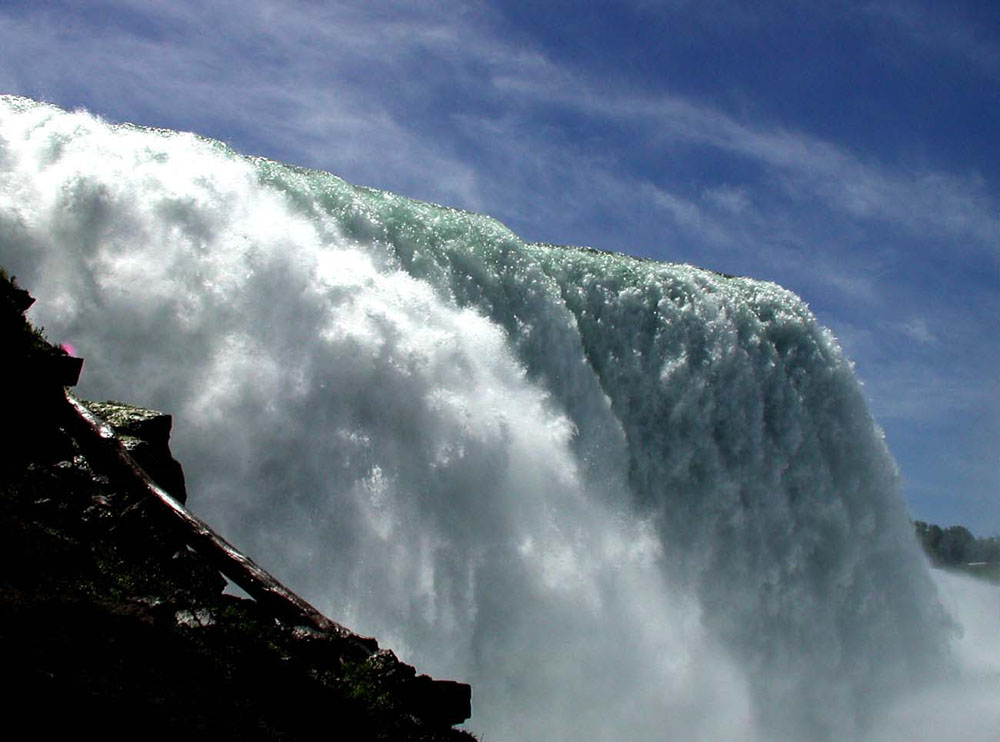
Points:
[[113, 615]]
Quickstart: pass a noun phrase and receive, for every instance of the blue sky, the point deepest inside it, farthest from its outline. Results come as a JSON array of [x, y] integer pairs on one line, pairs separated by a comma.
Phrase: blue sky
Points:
[[847, 150]]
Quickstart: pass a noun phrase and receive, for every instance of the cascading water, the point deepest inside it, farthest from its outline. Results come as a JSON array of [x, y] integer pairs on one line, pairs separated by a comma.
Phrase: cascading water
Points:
[[623, 499]]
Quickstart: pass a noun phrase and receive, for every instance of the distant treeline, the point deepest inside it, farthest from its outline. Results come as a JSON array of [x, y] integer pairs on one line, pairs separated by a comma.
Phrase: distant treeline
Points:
[[955, 546]]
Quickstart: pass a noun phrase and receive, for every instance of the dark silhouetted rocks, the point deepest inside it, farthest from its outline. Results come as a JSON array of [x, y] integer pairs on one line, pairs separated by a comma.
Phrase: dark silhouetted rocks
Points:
[[113, 617], [146, 436]]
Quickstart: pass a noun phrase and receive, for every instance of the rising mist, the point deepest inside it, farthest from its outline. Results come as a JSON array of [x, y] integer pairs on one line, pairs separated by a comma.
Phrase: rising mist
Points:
[[623, 499]]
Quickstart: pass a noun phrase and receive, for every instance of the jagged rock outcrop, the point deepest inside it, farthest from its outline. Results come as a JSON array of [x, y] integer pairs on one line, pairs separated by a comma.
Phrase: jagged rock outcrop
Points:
[[113, 615], [145, 434]]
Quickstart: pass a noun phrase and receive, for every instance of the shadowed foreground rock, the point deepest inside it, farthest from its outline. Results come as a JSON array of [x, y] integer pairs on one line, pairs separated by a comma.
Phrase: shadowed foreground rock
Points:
[[113, 618], [145, 434]]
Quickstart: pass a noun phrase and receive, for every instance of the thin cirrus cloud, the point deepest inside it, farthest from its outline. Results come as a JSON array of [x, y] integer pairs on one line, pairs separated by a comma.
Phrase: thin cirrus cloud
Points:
[[267, 77], [803, 167], [445, 101], [368, 92], [932, 25], [308, 78]]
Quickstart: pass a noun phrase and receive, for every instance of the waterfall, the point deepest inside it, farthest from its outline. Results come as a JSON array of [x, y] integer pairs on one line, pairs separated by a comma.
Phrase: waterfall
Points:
[[623, 499]]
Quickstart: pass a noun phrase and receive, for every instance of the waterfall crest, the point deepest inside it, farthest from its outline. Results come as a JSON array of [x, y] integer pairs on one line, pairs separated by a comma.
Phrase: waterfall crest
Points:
[[622, 498]]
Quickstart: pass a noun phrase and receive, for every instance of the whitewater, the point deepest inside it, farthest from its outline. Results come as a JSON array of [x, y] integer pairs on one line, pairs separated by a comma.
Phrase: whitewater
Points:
[[623, 499]]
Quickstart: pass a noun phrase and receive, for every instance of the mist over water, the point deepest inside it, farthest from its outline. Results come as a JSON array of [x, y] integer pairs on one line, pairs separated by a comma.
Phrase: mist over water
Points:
[[622, 499], [964, 705]]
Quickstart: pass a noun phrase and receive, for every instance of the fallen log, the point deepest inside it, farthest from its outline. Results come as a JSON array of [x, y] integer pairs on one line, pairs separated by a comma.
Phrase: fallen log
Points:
[[101, 446]]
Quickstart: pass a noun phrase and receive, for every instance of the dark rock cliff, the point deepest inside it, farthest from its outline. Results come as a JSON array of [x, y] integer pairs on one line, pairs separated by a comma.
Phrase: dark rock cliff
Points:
[[146, 436], [113, 618]]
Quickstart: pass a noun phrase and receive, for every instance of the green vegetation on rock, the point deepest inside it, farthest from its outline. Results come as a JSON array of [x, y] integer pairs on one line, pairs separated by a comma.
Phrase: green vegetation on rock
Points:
[[956, 548], [112, 623]]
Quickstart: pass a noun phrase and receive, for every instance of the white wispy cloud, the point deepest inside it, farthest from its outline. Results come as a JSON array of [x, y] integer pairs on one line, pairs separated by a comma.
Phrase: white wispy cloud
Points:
[[438, 100], [903, 390], [372, 89], [804, 166], [939, 26], [916, 328]]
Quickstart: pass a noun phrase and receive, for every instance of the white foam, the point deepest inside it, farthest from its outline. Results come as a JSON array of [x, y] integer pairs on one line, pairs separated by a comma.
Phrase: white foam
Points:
[[624, 500]]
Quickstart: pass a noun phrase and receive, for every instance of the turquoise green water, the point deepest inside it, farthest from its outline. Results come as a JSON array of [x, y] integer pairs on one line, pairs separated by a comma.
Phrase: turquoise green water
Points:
[[623, 499]]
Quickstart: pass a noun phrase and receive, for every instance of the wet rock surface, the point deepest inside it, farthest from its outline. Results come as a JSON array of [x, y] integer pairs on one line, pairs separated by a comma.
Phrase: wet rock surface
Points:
[[145, 434], [113, 618]]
